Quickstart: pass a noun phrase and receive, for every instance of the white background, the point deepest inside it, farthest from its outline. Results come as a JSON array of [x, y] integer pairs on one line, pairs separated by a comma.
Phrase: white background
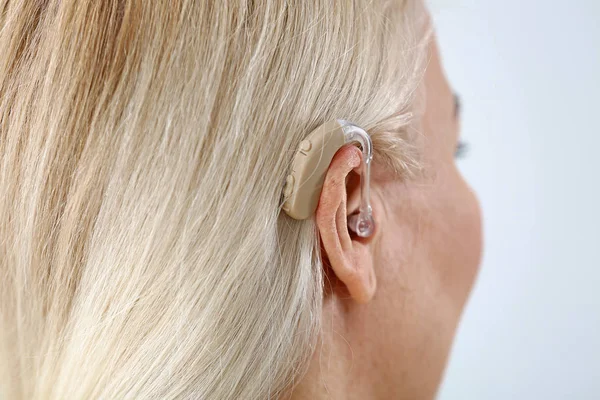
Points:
[[528, 73]]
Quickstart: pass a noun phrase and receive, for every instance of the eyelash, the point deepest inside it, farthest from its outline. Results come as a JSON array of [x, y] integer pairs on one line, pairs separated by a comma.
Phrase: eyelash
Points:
[[458, 105], [462, 149]]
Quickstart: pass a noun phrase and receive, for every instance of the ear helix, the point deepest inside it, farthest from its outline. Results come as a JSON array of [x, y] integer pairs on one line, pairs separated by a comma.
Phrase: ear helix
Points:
[[304, 183]]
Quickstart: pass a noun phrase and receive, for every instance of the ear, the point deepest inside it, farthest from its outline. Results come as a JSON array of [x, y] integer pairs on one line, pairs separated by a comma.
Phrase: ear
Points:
[[351, 259]]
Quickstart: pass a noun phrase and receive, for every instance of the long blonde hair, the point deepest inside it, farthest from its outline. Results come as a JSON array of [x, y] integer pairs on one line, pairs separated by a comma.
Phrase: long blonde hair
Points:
[[143, 149]]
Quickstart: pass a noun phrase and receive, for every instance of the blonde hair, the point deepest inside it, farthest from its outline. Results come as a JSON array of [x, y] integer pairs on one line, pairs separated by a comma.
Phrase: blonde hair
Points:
[[143, 149]]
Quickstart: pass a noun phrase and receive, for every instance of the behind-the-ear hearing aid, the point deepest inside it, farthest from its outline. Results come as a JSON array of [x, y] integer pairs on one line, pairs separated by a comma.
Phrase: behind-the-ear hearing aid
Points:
[[304, 183]]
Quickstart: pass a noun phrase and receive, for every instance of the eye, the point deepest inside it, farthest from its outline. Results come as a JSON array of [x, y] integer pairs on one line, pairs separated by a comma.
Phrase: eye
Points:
[[462, 149]]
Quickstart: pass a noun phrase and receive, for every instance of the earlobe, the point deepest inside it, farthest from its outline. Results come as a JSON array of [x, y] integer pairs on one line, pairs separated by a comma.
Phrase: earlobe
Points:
[[350, 260]]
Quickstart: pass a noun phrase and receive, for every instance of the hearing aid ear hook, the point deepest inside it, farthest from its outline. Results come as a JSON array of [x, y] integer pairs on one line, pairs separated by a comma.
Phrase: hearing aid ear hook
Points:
[[304, 183]]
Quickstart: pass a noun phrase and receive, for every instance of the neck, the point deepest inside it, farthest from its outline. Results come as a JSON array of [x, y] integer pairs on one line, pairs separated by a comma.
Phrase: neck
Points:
[[335, 370]]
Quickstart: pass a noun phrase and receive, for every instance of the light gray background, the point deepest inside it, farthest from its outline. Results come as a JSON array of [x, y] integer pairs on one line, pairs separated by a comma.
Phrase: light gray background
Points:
[[528, 73]]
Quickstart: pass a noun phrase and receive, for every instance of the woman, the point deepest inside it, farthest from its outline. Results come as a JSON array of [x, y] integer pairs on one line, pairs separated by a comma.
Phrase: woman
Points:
[[143, 248]]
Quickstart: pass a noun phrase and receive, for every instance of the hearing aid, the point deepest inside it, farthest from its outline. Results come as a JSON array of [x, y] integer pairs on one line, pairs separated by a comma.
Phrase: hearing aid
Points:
[[304, 183]]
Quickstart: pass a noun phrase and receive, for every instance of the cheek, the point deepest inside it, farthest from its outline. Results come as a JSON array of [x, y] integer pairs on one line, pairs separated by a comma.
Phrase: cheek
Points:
[[433, 239], [426, 260], [459, 239]]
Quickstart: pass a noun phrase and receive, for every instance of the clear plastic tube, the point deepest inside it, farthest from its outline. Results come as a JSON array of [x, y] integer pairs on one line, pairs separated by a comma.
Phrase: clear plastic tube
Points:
[[362, 223]]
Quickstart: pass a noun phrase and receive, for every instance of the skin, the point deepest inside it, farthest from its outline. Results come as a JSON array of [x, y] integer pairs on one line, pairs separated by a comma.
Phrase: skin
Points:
[[394, 300]]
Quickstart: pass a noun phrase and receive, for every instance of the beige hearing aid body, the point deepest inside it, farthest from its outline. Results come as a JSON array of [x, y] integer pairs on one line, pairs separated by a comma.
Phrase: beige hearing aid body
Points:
[[304, 183]]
